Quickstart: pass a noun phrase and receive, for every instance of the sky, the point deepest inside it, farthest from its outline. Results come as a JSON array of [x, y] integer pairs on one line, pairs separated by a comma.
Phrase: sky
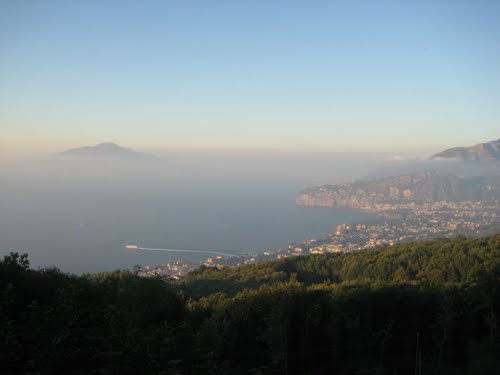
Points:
[[367, 75]]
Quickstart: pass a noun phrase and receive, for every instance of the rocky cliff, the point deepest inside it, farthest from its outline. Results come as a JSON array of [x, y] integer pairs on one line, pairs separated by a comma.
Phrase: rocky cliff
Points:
[[426, 186]]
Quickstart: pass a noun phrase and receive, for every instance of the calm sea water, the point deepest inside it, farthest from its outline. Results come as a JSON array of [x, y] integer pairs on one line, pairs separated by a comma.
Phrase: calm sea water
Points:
[[79, 216]]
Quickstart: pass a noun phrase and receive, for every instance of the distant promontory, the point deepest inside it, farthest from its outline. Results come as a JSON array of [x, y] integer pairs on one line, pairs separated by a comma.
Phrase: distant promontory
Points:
[[483, 151], [107, 149], [424, 186]]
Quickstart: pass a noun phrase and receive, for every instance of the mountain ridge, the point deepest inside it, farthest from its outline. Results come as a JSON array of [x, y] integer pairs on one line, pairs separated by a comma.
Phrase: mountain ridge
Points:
[[423, 186], [481, 152], [105, 149]]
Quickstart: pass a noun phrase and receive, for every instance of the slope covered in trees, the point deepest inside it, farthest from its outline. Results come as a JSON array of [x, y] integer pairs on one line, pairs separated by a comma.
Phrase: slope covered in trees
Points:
[[438, 262], [433, 307]]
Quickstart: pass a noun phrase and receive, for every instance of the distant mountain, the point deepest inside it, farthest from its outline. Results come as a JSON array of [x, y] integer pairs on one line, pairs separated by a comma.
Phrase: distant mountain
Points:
[[107, 149], [482, 151], [424, 186]]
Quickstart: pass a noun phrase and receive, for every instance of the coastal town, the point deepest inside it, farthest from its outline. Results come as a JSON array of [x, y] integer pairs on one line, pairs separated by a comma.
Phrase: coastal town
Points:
[[400, 222]]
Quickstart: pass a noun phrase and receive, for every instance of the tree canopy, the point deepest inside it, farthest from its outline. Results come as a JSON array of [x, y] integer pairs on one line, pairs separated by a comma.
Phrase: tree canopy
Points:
[[429, 306]]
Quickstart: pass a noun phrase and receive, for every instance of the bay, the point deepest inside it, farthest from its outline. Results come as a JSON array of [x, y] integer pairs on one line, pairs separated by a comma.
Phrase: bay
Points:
[[79, 216]]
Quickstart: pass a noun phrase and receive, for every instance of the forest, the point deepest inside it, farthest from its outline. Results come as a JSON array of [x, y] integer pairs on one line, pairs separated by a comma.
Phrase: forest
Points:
[[428, 307]]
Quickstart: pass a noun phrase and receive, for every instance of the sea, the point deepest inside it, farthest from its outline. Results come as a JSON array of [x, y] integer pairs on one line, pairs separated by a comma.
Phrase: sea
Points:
[[79, 214]]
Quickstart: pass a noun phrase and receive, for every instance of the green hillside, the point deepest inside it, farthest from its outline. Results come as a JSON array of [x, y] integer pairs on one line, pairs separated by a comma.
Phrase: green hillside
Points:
[[422, 307], [439, 262]]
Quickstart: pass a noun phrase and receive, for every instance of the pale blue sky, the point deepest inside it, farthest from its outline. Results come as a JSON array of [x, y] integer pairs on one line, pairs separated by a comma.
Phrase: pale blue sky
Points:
[[301, 75]]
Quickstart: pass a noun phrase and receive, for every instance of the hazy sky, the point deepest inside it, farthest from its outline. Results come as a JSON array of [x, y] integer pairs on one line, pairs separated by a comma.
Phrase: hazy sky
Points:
[[333, 75]]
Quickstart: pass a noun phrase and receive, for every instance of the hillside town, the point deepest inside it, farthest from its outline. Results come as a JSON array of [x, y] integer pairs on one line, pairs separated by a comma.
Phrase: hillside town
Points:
[[398, 223]]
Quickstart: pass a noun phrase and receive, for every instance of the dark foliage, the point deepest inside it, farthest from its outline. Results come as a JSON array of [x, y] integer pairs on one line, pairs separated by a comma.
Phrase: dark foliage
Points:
[[432, 307], [440, 262]]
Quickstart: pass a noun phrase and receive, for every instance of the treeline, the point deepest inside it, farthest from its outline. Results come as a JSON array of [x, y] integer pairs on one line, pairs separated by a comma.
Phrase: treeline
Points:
[[418, 308], [459, 260]]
